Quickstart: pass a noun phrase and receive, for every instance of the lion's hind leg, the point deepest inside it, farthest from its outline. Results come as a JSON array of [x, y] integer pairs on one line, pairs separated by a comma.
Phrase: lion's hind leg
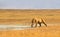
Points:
[[36, 24], [39, 23], [32, 25]]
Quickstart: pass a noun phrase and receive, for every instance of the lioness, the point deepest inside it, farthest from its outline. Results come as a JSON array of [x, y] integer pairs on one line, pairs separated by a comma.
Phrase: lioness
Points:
[[36, 21]]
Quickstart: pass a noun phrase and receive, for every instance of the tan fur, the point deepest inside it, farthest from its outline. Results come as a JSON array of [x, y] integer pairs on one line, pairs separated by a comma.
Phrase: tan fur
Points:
[[36, 21]]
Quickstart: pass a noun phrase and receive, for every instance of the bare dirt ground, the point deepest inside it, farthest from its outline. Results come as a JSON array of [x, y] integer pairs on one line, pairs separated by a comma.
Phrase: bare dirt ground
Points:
[[13, 17]]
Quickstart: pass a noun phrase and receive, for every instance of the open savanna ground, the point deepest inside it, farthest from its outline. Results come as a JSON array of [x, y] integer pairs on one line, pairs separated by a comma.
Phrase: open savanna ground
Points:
[[51, 31], [24, 17]]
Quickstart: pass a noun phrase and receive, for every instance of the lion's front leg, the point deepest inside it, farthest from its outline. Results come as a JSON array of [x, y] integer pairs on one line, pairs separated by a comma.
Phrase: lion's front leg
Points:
[[44, 23]]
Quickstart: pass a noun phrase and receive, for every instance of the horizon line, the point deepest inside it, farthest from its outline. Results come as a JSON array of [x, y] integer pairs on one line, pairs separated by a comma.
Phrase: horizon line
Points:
[[30, 9]]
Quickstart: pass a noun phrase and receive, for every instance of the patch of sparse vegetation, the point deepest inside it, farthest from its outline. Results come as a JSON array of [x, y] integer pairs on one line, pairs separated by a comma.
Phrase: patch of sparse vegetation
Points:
[[49, 15]]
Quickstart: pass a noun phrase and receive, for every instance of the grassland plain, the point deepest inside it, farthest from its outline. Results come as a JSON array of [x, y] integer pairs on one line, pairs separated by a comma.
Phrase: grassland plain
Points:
[[24, 17], [52, 31]]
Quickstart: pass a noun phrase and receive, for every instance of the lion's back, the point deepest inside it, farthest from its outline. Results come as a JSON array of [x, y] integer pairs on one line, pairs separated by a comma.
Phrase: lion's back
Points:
[[39, 19]]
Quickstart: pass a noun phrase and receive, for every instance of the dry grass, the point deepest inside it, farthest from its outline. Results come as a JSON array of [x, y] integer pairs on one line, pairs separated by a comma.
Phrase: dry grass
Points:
[[52, 31], [24, 17]]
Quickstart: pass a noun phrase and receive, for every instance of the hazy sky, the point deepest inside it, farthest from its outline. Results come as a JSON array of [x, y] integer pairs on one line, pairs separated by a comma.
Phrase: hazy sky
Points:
[[29, 4]]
